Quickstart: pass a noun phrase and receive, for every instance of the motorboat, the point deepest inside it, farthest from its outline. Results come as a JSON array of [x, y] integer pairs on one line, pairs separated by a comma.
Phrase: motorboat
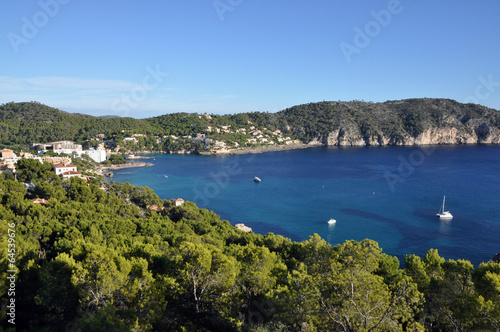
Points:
[[257, 180]]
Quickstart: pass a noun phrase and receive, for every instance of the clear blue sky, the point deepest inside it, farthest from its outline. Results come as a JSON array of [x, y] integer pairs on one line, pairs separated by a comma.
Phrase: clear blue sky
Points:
[[147, 58]]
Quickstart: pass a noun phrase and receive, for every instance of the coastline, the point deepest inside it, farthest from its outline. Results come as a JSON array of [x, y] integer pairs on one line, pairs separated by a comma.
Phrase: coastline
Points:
[[273, 148], [235, 151], [268, 148], [108, 170], [127, 165], [344, 209]]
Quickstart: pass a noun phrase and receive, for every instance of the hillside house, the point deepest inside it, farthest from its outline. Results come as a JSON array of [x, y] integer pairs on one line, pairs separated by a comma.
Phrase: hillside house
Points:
[[8, 153], [70, 174], [225, 129], [7, 167], [41, 201], [155, 208], [66, 147], [56, 160], [178, 201], [130, 139], [59, 169], [220, 144]]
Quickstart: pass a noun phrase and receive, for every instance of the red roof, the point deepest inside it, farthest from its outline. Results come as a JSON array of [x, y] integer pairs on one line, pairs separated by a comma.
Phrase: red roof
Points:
[[70, 173], [64, 165], [40, 201]]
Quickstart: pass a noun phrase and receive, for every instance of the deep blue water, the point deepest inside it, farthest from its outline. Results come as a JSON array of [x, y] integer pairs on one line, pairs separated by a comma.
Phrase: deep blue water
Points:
[[388, 194]]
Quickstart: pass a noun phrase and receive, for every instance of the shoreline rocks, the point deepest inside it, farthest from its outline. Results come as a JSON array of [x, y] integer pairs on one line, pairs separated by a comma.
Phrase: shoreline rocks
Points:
[[243, 228]]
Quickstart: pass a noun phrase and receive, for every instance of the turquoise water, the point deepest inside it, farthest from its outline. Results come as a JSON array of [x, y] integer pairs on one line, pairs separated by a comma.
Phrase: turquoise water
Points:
[[388, 194]]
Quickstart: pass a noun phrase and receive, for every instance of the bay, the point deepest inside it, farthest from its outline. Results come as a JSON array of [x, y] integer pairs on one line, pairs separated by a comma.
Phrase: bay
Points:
[[387, 194]]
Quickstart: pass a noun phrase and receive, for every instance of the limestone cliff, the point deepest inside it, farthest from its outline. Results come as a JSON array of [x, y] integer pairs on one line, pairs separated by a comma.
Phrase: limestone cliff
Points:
[[406, 122]]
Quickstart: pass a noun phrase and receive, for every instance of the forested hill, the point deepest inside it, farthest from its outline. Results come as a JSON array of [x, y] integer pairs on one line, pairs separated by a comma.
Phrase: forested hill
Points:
[[96, 257], [25, 123], [402, 122]]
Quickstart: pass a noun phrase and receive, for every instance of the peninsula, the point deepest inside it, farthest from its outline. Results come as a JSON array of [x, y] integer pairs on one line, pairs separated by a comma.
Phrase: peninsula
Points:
[[421, 121]]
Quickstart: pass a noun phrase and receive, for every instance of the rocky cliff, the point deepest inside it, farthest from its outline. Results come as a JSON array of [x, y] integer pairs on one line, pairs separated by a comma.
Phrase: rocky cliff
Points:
[[405, 122]]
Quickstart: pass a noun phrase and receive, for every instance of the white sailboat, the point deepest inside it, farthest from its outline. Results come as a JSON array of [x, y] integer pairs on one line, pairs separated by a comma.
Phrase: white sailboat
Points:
[[442, 214]]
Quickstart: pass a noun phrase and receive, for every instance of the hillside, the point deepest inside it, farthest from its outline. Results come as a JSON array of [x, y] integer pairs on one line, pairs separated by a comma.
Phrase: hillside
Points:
[[402, 122], [25, 123], [96, 257]]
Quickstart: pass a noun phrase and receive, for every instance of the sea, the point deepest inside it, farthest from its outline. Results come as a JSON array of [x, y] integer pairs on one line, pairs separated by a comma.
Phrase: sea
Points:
[[387, 194]]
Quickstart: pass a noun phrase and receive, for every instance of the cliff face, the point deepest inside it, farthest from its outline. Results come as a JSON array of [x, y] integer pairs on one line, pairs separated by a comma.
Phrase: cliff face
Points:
[[407, 122], [448, 135]]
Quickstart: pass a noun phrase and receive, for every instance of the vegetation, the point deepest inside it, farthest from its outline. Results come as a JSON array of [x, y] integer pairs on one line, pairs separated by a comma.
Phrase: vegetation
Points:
[[25, 123], [390, 119], [116, 159], [98, 259]]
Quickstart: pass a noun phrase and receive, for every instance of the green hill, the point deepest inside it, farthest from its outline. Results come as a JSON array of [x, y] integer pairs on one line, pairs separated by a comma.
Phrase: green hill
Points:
[[401, 122], [25, 123], [95, 257]]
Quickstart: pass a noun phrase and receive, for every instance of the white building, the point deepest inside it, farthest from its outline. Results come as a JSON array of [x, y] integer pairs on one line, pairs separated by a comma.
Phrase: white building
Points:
[[220, 144], [66, 151], [62, 168], [97, 155], [130, 139], [70, 174], [178, 201]]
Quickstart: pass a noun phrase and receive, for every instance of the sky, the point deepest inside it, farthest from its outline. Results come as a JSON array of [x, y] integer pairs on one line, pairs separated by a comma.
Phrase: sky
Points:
[[148, 58]]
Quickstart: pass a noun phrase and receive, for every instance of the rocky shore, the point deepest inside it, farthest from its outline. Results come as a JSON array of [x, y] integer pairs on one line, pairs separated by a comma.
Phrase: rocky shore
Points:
[[107, 170], [268, 148], [352, 136]]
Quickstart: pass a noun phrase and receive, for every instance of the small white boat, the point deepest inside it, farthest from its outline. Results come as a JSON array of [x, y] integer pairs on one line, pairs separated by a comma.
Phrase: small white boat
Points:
[[332, 221], [257, 180], [166, 176], [442, 214]]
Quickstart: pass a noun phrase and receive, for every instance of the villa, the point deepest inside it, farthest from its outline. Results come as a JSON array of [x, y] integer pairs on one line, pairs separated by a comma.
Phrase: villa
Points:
[[178, 201], [62, 168], [7, 153]]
